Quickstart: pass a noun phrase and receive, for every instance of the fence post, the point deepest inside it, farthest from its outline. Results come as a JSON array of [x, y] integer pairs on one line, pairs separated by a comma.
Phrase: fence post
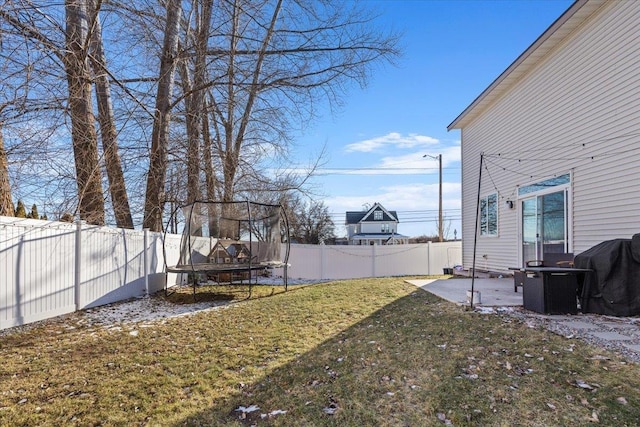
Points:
[[373, 260], [428, 258], [145, 258], [322, 262], [78, 264]]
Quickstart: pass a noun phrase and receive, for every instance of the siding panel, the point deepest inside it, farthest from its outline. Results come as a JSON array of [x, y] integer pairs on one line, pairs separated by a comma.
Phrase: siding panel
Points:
[[578, 111]]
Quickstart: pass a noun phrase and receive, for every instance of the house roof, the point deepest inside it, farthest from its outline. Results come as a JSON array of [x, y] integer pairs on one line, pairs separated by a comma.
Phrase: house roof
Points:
[[217, 248], [354, 217], [579, 12]]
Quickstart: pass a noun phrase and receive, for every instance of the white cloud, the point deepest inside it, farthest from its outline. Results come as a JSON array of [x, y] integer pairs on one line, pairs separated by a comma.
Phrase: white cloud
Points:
[[417, 160], [393, 139]]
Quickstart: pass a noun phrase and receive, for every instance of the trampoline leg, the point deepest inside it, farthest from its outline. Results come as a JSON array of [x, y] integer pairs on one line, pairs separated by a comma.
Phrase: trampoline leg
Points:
[[167, 292], [166, 283]]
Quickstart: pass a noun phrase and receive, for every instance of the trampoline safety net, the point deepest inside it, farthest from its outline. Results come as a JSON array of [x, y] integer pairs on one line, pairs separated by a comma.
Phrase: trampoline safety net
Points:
[[226, 241]]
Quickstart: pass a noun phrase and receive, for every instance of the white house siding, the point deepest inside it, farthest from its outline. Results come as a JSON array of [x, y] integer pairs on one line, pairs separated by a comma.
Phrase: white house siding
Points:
[[577, 111], [376, 227]]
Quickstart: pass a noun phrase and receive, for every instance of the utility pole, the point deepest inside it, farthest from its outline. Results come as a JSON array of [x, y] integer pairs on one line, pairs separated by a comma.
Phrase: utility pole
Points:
[[440, 225]]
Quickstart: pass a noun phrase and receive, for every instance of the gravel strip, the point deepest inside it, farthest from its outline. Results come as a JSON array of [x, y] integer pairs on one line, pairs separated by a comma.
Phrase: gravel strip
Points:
[[583, 327]]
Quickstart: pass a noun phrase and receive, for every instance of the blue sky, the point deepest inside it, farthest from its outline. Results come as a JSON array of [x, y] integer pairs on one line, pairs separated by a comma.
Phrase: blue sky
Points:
[[452, 50]]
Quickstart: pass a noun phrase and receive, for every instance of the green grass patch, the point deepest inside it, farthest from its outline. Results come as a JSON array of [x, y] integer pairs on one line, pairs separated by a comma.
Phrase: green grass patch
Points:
[[351, 353]]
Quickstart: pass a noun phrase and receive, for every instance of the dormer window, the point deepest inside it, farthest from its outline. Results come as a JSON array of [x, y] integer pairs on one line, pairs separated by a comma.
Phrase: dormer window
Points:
[[377, 216]]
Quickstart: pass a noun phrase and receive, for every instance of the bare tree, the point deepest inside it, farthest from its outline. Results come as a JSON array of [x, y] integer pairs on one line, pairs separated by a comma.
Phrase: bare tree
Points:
[[211, 180], [268, 64], [280, 59], [154, 199], [6, 203], [251, 74], [311, 223], [117, 187], [193, 92], [31, 56], [83, 130]]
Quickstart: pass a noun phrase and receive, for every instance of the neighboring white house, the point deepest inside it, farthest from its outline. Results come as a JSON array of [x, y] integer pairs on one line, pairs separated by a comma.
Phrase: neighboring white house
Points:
[[376, 226], [558, 137]]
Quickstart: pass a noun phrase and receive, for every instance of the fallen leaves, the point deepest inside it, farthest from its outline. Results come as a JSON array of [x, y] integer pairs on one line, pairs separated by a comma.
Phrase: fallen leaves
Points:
[[247, 409], [621, 400], [582, 384], [594, 417], [442, 417], [273, 413], [332, 407], [330, 410]]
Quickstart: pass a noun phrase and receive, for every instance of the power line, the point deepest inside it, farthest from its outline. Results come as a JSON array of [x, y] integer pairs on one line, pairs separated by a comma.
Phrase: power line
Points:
[[416, 221], [408, 214], [402, 212], [383, 169]]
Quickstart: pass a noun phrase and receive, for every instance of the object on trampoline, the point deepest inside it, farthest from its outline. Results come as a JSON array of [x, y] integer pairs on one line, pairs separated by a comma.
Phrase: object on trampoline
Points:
[[225, 242]]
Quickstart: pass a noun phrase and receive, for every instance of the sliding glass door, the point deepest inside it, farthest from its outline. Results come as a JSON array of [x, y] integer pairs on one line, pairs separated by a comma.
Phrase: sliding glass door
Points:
[[544, 225]]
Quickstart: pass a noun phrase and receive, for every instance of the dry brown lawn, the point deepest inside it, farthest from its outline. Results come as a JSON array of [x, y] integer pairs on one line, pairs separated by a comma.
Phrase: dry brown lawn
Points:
[[351, 353]]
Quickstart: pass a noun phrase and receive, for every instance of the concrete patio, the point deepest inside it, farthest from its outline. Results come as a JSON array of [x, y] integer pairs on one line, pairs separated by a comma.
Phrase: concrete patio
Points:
[[620, 334], [492, 292]]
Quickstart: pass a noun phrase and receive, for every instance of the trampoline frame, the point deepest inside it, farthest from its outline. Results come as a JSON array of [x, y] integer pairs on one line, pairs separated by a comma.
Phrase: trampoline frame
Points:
[[194, 269]]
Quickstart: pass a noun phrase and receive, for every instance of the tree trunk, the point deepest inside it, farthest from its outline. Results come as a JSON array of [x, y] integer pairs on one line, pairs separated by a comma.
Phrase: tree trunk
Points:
[[154, 199], [195, 99], [212, 184], [207, 148], [193, 111], [228, 156], [117, 187], [6, 204], [83, 131]]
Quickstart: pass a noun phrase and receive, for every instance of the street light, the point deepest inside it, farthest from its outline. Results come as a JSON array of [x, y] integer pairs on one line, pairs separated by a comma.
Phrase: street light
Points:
[[439, 159]]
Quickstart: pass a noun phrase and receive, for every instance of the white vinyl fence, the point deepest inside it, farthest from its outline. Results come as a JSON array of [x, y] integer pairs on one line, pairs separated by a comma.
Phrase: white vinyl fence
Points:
[[50, 268], [328, 262]]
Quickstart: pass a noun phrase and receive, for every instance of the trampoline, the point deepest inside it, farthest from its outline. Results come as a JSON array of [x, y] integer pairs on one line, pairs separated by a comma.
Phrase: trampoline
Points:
[[229, 242]]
